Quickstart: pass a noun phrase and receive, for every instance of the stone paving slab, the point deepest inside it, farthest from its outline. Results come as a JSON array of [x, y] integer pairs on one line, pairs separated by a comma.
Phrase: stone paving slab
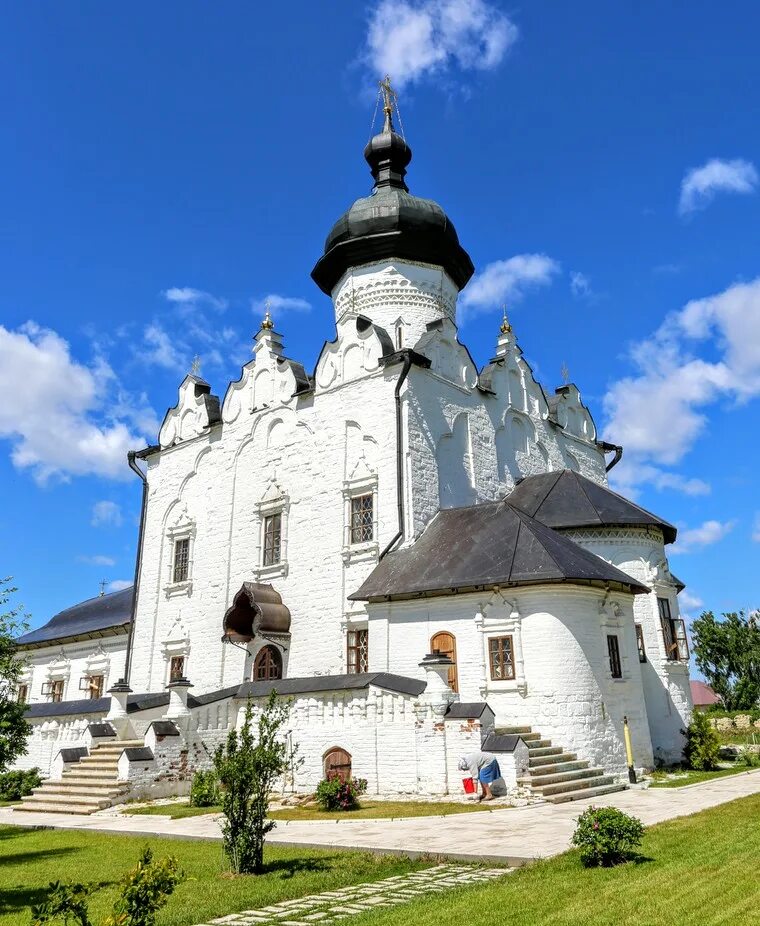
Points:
[[511, 837], [330, 906]]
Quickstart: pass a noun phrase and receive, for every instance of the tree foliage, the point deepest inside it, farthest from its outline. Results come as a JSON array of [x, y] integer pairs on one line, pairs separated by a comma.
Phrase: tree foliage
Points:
[[247, 767], [14, 728], [727, 652], [702, 749]]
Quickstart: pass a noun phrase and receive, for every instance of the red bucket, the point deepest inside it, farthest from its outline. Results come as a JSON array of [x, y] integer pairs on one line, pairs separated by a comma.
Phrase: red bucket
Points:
[[469, 785]]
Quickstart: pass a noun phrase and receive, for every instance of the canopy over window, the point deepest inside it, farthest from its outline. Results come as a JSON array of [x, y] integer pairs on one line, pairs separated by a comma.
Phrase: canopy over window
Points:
[[256, 609]]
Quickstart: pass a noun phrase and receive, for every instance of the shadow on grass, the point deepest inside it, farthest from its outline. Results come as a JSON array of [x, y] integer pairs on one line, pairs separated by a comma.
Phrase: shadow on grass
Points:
[[21, 898], [288, 868]]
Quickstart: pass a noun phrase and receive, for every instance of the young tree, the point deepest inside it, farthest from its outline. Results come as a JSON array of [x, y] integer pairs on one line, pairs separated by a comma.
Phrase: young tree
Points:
[[248, 766], [727, 652], [14, 728]]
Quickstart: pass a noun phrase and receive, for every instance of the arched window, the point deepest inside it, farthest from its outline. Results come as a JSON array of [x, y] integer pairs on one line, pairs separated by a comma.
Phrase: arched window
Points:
[[338, 762], [267, 665], [446, 645]]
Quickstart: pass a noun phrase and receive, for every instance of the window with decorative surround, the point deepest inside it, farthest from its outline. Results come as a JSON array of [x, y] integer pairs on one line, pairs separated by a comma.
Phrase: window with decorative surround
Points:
[[360, 517], [673, 633], [501, 658], [176, 668], [53, 690], [640, 643], [22, 694], [357, 650], [272, 555], [267, 665], [181, 537], [92, 685]]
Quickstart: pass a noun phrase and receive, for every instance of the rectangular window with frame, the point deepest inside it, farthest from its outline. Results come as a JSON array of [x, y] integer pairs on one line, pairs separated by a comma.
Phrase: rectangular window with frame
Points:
[[181, 567], [673, 633], [362, 527], [613, 649], [640, 643], [176, 668], [501, 658], [22, 694], [93, 685], [272, 539], [54, 690], [357, 643]]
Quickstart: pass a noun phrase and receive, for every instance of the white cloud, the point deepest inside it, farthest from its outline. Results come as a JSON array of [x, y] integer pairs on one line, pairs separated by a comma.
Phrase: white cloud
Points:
[[279, 305], [161, 350], [580, 285], [187, 296], [661, 411], [701, 184], [118, 585], [97, 560], [58, 420], [506, 281], [413, 39], [708, 533], [688, 602], [630, 474], [106, 513]]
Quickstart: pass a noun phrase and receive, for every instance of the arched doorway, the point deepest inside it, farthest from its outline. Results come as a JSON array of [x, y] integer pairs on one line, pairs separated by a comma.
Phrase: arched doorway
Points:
[[446, 645], [267, 664], [337, 762]]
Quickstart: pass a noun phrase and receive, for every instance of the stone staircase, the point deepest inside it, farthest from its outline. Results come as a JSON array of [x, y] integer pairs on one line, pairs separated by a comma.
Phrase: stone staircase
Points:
[[560, 776], [90, 785]]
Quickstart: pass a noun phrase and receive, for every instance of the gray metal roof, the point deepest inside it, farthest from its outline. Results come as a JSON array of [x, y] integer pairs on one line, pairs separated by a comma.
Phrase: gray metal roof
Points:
[[292, 686], [484, 545], [96, 617], [564, 499], [466, 710]]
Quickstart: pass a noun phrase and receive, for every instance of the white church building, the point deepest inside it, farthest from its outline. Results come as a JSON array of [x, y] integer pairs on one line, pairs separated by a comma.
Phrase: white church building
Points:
[[422, 556]]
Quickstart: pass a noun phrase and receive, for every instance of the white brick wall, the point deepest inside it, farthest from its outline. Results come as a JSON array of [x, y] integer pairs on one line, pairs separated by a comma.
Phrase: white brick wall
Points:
[[71, 662]]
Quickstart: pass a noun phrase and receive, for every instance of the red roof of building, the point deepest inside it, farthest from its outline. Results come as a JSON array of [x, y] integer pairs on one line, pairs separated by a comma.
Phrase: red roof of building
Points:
[[702, 694]]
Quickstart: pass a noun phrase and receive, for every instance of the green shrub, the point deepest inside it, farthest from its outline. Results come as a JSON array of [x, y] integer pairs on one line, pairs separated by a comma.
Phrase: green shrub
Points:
[[749, 758], [204, 791], [17, 784], [146, 889], [606, 836], [335, 794], [702, 744]]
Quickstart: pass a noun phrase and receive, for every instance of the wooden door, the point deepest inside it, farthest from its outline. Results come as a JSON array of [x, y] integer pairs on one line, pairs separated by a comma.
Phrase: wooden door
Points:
[[338, 762]]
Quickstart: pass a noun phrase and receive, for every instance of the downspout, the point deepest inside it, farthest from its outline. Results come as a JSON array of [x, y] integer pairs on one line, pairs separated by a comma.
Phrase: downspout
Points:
[[399, 454], [618, 453], [131, 456]]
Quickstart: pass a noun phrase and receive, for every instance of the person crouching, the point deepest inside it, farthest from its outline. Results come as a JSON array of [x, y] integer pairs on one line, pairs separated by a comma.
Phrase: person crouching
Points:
[[482, 767]]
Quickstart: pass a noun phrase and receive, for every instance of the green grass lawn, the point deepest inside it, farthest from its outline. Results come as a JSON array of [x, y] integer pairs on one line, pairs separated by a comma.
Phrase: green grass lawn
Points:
[[694, 871], [30, 859], [368, 811], [678, 779]]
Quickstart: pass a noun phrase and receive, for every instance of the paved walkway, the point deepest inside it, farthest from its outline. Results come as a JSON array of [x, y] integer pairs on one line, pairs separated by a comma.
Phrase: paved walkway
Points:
[[337, 905], [513, 836]]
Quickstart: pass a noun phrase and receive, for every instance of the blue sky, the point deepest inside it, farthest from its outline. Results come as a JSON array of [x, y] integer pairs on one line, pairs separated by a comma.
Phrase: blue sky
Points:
[[168, 166]]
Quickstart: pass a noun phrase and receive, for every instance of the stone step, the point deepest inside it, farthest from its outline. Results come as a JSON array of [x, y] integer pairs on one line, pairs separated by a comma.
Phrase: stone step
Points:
[[110, 789], [536, 781], [583, 793], [45, 797], [537, 744], [57, 807], [555, 757], [98, 771], [574, 785], [558, 767], [85, 781], [546, 751], [104, 764], [119, 746], [506, 731]]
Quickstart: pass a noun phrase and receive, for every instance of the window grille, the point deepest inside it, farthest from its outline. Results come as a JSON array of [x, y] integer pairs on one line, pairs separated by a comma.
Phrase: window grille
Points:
[[267, 665], [357, 651], [272, 539], [501, 658], [176, 668], [362, 519], [640, 643], [181, 560], [613, 649]]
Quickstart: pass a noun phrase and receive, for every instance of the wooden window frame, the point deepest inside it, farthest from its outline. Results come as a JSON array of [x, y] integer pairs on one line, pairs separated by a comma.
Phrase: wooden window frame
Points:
[[357, 655], [451, 653], [496, 657], [22, 693], [271, 659], [54, 690], [272, 545], [359, 531], [174, 672], [613, 652], [94, 691], [673, 632], [181, 561], [640, 643]]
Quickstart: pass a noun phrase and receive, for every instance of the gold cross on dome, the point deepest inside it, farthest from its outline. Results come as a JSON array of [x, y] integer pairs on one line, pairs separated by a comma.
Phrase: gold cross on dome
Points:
[[505, 327], [389, 94], [267, 324], [195, 366]]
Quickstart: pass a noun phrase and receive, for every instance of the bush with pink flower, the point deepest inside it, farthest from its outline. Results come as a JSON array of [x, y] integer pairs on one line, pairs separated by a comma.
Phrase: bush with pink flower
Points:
[[335, 793], [606, 836]]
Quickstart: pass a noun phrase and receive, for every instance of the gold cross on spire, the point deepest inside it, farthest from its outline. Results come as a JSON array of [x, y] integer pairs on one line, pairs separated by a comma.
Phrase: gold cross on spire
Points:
[[195, 366], [389, 95], [267, 324], [505, 327]]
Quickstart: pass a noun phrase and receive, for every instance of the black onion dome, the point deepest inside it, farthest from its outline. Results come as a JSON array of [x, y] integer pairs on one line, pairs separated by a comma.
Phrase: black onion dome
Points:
[[390, 222]]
